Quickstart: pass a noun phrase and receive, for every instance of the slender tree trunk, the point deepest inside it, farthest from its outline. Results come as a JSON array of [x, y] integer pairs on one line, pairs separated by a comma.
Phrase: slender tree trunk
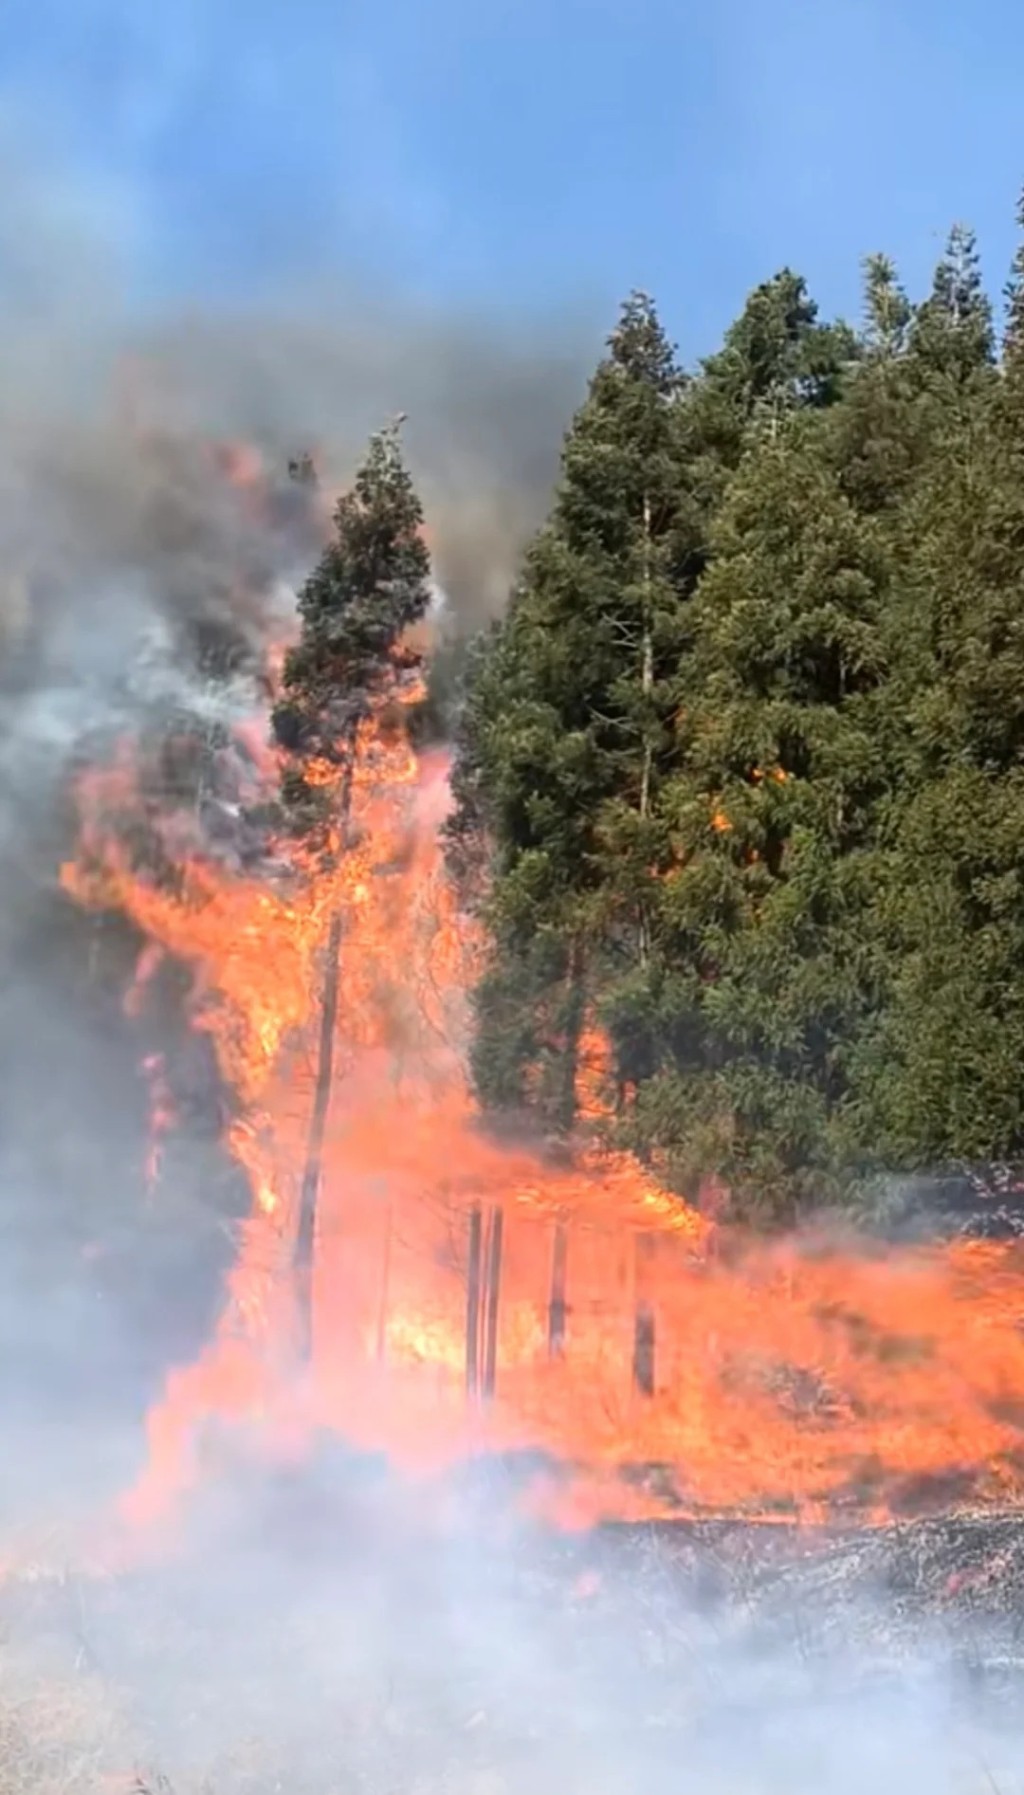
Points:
[[305, 1231], [385, 1286], [567, 1105], [557, 1311], [644, 1335], [473, 1304], [567, 1115], [493, 1301]]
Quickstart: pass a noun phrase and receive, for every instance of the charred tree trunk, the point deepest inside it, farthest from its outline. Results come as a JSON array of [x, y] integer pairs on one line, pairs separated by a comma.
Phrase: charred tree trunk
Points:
[[385, 1287], [574, 1012], [643, 1350], [557, 1311], [644, 1335], [305, 1231], [473, 1304], [493, 1301]]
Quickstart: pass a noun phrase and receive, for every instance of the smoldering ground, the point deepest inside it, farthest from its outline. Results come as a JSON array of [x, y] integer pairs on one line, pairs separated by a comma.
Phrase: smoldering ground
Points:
[[336, 1631]]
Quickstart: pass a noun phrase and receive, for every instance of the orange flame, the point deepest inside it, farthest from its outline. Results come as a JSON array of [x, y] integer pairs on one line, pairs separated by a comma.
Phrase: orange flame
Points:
[[689, 1367]]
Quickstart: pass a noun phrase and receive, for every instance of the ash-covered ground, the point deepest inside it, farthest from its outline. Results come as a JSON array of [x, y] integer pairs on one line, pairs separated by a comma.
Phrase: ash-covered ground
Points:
[[330, 1629]]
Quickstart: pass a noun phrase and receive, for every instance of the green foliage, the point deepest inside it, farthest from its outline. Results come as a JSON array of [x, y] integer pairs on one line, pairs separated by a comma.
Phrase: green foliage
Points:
[[371, 584], [1013, 336], [741, 774], [568, 720], [782, 770], [951, 332]]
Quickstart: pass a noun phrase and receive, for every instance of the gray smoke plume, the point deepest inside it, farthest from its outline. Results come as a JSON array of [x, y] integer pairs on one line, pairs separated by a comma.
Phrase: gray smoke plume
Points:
[[122, 540]]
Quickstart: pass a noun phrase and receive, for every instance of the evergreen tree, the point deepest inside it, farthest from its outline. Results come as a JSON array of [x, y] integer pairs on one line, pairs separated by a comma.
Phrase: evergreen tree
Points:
[[775, 804], [776, 358], [742, 772], [941, 1071], [567, 723], [1013, 334], [887, 309], [951, 334], [371, 584], [878, 438]]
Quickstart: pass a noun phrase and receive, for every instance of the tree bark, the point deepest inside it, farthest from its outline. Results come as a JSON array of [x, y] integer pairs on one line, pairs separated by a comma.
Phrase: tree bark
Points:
[[473, 1304], [385, 1287], [557, 1310], [493, 1301], [305, 1231], [574, 1016], [644, 1334]]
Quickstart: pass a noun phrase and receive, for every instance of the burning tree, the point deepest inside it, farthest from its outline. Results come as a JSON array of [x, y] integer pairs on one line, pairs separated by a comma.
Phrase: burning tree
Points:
[[370, 586]]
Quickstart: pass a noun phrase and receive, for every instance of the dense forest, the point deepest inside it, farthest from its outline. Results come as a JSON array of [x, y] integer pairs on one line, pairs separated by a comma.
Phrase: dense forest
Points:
[[739, 776]]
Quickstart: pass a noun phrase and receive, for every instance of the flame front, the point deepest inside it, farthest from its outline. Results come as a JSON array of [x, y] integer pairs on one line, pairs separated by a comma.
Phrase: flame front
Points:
[[653, 1361]]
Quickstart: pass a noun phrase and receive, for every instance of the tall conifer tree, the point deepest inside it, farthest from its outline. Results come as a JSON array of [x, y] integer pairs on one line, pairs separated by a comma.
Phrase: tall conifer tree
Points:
[[942, 1078], [371, 584], [568, 722]]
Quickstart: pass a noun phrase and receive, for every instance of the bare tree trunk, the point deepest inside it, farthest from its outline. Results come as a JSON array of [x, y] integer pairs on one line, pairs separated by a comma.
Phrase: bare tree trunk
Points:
[[305, 1231], [644, 1339], [473, 1304], [557, 1311], [566, 1113], [493, 1301], [385, 1286]]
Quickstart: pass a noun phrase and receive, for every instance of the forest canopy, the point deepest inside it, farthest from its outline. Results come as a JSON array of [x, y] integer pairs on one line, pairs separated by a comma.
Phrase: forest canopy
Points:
[[739, 776]]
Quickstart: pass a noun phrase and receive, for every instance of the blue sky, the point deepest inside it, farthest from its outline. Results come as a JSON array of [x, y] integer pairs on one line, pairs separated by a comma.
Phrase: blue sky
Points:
[[536, 153]]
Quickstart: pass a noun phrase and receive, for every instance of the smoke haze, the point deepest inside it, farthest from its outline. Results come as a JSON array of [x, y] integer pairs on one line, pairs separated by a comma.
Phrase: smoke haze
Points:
[[329, 1632], [107, 504]]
